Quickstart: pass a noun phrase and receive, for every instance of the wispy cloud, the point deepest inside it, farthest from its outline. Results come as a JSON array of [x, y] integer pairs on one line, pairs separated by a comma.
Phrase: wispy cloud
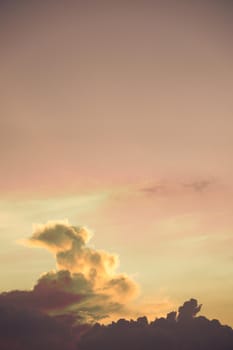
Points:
[[199, 186]]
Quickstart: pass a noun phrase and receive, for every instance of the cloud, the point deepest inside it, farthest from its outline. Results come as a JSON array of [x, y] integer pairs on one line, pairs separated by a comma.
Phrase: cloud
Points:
[[169, 333], [97, 267], [49, 299], [59, 312], [199, 186], [168, 188], [154, 189], [25, 329], [188, 310], [85, 283]]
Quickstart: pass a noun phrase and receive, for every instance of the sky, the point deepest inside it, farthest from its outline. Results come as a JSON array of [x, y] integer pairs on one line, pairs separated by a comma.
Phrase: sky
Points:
[[117, 117]]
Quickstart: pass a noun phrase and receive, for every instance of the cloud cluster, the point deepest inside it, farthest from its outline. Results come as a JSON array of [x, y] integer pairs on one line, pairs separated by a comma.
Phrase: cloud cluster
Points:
[[182, 330], [59, 312], [97, 267], [25, 329], [86, 282]]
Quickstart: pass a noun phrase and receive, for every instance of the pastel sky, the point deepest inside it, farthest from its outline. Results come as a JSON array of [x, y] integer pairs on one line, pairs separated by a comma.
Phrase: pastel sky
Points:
[[119, 116]]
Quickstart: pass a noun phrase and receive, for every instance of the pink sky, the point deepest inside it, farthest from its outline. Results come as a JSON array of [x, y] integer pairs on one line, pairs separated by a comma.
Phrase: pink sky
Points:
[[119, 117]]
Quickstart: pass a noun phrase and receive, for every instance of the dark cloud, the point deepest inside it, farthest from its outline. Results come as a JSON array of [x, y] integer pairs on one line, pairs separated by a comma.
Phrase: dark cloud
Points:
[[53, 291], [175, 332], [62, 293], [47, 300], [188, 310], [25, 329]]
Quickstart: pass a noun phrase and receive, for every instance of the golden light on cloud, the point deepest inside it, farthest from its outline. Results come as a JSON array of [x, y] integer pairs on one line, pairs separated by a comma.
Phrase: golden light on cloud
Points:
[[88, 273]]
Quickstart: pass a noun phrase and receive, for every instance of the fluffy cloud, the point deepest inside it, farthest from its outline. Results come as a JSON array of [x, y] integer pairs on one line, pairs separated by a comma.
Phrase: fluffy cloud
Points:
[[85, 284], [96, 267]]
